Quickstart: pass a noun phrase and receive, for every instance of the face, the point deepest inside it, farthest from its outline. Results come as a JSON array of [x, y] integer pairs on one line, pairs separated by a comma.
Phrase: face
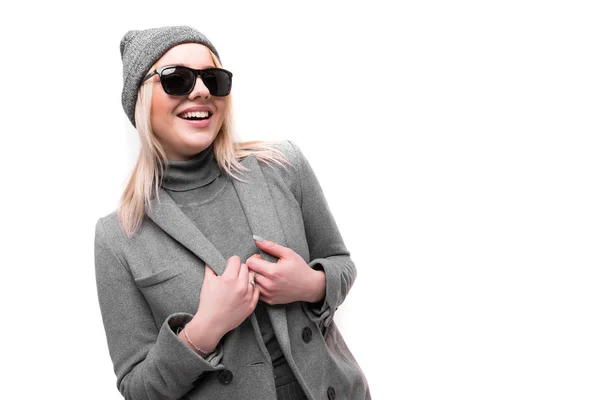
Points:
[[183, 138]]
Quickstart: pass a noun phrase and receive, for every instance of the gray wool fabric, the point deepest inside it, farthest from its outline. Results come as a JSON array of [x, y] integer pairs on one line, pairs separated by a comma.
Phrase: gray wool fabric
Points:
[[140, 49], [149, 287], [207, 197]]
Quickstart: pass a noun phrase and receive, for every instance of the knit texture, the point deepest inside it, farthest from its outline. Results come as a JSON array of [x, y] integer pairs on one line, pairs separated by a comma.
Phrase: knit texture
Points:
[[183, 176], [140, 49]]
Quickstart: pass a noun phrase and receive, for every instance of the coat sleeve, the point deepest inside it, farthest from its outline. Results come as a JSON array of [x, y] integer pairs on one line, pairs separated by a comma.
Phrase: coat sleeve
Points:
[[149, 362], [327, 250]]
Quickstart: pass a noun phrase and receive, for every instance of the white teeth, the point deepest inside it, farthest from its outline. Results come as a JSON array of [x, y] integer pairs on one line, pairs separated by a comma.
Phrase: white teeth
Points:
[[195, 114]]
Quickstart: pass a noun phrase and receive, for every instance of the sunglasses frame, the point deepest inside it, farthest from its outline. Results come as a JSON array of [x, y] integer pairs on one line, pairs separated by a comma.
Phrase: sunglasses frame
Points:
[[197, 72]]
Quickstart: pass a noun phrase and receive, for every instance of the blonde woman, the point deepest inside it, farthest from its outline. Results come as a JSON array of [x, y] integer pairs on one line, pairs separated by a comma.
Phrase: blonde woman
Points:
[[219, 274]]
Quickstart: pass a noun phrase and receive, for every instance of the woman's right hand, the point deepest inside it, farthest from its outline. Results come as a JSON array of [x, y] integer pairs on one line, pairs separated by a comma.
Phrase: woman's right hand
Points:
[[225, 302]]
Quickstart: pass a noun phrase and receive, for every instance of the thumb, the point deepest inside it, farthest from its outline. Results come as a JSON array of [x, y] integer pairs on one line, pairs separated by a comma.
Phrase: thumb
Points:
[[255, 256], [209, 272]]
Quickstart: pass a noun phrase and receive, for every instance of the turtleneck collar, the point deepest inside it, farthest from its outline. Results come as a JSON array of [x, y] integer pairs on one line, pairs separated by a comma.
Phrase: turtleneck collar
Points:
[[193, 173]]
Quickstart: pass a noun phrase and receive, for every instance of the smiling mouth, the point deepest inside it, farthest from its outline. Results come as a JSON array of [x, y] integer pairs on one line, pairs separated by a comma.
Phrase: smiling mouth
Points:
[[195, 115]]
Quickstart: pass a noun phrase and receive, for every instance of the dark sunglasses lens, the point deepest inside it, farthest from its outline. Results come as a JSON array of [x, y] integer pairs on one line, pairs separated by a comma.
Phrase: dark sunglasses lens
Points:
[[177, 81], [217, 81]]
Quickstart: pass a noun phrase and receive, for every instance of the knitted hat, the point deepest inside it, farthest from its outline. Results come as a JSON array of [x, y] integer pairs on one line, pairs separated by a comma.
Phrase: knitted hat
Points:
[[141, 49]]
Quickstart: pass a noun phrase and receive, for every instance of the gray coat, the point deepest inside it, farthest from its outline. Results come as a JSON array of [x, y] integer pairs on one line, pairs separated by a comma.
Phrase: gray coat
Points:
[[149, 285]]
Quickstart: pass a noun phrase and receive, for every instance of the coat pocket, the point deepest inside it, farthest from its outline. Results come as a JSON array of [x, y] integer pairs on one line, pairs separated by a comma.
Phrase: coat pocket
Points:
[[158, 277]]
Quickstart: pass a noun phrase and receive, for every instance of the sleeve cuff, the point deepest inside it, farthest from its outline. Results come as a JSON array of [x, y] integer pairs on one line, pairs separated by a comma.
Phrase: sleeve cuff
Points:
[[173, 351], [323, 311]]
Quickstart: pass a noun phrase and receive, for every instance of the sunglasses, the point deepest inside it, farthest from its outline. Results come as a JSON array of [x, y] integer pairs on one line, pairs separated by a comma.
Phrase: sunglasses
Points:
[[179, 80]]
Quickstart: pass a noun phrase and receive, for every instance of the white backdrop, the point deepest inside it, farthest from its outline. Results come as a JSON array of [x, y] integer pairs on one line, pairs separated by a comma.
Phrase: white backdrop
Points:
[[474, 124]]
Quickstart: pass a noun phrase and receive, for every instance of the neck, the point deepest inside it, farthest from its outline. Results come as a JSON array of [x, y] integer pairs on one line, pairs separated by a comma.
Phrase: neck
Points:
[[190, 174]]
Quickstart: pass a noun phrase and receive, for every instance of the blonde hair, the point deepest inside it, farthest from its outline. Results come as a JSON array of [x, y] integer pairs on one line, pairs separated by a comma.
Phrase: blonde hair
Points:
[[145, 179]]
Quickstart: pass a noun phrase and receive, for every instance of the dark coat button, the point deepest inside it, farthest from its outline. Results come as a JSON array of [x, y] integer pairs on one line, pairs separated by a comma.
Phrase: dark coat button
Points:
[[225, 377], [330, 393], [306, 335]]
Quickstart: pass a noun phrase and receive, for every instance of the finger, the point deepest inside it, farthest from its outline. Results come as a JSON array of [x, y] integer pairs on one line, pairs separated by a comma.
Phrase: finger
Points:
[[232, 269], [255, 256], [264, 292], [260, 280], [260, 266], [244, 276], [255, 296], [208, 271], [275, 249], [251, 283], [265, 299]]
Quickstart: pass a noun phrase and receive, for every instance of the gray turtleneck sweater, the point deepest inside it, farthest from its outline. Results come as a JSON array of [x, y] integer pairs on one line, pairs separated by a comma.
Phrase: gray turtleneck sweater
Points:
[[208, 198]]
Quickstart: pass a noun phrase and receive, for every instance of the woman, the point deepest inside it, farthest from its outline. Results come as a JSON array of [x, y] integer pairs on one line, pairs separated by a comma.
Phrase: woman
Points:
[[195, 303]]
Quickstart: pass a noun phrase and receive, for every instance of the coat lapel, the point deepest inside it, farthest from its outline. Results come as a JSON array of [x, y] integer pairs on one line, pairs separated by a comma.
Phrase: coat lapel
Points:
[[167, 215], [259, 207]]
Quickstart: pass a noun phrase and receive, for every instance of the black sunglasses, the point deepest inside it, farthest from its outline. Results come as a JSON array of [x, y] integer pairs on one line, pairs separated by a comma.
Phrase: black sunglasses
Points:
[[179, 80]]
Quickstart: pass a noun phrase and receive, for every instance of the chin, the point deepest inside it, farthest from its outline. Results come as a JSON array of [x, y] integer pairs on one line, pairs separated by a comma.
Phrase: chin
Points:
[[198, 142]]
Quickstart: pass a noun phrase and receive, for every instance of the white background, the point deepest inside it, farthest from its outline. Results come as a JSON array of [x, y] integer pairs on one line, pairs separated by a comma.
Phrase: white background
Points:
[[457, 144]]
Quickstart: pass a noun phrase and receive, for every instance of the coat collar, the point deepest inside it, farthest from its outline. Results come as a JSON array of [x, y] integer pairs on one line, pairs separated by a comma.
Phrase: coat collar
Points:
[[259, 207]]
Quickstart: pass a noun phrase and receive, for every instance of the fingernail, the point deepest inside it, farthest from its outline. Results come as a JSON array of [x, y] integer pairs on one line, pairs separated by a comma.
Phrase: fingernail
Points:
[[257, 238]]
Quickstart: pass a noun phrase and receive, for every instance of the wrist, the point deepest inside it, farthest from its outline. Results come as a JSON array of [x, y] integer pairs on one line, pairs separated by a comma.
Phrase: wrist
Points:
[[203, 352], [318, 286], [202, 334]]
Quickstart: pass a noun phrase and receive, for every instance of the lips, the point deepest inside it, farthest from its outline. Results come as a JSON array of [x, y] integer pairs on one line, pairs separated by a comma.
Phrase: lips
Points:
[[198, 116], [196, 109], [198, 123]]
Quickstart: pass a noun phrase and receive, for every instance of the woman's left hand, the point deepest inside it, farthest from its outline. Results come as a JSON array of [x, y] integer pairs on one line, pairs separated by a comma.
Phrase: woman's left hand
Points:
[[289, 279]]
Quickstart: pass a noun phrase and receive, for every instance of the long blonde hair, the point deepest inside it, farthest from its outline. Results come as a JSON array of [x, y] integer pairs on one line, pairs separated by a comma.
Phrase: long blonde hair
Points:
[[145, 179]]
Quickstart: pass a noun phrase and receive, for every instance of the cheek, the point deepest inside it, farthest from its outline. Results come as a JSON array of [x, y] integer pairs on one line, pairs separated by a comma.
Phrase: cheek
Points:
[[160, 103], [220, 104], [161, 113]]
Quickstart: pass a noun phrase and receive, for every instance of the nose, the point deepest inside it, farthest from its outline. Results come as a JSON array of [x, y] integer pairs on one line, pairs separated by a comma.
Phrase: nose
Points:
[[200, 90]]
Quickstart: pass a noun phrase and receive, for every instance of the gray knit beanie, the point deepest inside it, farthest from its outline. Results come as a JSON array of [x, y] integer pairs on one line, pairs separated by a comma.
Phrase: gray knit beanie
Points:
[[141, 49]]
